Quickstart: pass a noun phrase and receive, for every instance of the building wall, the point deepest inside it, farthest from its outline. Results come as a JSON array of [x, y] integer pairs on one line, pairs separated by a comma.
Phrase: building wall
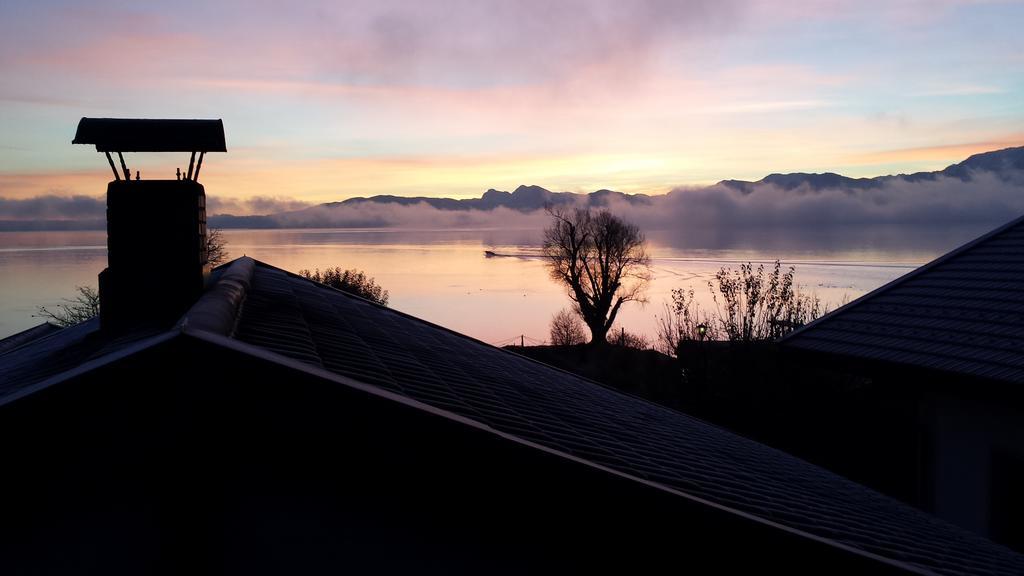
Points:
[[975, 441]]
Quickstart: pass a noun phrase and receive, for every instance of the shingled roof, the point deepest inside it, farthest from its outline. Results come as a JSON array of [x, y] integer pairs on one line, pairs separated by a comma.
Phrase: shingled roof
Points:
[[962, 313], [271, 314]]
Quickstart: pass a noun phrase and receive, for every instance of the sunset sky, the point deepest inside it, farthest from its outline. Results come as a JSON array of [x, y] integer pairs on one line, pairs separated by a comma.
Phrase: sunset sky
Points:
[[322, 101]]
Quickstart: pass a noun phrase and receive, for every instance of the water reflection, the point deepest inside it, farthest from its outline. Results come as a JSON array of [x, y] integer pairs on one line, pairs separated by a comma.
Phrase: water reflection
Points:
[[443, 275]]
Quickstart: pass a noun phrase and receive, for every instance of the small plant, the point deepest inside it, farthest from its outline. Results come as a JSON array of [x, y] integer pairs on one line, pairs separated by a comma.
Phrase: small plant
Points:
[[683, 320], [567, 329], [352, 281], [74, 310]]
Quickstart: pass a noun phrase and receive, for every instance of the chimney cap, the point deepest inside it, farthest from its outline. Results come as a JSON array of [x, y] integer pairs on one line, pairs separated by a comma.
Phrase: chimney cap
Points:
[[151, 135]]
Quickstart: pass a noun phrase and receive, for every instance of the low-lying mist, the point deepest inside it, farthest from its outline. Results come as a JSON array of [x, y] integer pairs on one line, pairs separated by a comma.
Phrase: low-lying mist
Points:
[[896, 212]]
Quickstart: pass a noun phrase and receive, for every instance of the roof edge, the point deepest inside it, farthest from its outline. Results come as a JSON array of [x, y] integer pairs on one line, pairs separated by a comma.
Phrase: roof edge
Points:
[[785, 340], [28, 336], [91, 365]]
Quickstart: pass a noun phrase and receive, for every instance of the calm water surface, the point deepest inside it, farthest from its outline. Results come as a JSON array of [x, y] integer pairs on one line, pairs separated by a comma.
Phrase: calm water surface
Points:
[[443, 276]]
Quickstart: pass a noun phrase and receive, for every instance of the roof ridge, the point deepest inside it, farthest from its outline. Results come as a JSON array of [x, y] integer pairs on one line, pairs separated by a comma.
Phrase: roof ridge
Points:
[[217, 309], [905, 278]]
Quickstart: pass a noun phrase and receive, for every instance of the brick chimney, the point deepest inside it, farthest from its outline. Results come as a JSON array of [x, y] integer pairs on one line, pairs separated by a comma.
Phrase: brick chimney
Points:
[[156, 229], [156, 252]]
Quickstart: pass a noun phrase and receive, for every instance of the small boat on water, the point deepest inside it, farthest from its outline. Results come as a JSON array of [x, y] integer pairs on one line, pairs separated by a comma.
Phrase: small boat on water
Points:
[[489, 254]]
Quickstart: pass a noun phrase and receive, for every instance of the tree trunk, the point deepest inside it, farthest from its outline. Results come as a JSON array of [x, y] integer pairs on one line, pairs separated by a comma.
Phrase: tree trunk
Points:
[[598, 333]]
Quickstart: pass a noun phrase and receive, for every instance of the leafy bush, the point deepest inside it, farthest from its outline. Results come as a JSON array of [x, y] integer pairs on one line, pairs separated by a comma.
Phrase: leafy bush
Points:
[[352, 281]]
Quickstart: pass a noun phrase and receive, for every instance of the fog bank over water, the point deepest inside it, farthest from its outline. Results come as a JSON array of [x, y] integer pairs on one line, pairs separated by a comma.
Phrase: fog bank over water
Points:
[[925, 210], [925, 214]]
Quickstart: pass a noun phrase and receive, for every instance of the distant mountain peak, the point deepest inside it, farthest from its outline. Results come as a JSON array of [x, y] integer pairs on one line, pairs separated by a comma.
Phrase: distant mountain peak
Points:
[[522, 188], [1003, 163]]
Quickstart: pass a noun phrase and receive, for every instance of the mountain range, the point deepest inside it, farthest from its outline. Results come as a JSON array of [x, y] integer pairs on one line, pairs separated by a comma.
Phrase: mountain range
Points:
[[993, 182], [1006, 164], [525, 198]]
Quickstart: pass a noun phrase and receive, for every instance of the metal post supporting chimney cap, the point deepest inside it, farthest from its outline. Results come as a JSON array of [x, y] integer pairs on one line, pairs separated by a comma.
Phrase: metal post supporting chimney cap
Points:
[[152, 135]]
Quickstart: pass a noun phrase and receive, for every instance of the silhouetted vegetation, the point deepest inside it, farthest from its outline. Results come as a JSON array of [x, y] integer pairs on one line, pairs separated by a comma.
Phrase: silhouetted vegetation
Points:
[[759, 306], [601, 260], [567, 329], [352, 281], [216, 247], [683, 320], [73, 310], [752, 305], [626, 339]]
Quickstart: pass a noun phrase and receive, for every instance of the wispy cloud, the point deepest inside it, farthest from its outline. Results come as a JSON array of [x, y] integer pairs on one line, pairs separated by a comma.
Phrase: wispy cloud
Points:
[[449, 97]]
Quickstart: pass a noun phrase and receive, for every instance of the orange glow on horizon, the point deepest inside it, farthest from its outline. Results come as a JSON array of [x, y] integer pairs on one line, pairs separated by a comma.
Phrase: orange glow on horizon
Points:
[[246, 173]]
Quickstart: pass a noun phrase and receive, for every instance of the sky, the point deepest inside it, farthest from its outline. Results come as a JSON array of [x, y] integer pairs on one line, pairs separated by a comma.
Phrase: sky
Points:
[[323, 101]]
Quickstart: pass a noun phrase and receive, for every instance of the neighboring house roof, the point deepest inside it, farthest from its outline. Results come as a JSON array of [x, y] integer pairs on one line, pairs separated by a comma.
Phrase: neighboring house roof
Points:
[[961, 313], [268, 313]]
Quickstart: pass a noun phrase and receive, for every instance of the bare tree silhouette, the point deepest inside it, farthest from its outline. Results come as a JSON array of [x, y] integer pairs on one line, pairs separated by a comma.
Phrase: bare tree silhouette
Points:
[[567, 329], [602, 261]]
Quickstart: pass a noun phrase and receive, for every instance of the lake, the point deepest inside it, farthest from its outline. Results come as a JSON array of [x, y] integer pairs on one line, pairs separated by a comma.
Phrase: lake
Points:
[[443, 275]]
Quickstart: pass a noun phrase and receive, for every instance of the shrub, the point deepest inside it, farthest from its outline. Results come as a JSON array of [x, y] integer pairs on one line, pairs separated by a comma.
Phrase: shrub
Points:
[[629, 340], [567, 329], [682, 320], [352, 281], [756, 305], [752, 305]]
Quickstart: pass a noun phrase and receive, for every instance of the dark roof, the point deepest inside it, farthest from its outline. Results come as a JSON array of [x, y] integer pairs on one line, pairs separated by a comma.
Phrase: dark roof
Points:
[[268, 313], [961, 313], [146, 135], [24, 337], [63, 353]]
